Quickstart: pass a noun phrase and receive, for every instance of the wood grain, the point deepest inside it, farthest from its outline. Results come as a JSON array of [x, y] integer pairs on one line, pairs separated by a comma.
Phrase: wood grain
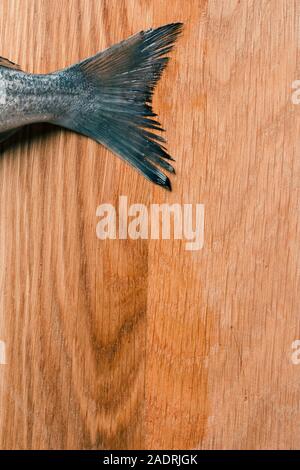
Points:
[[123, 344]]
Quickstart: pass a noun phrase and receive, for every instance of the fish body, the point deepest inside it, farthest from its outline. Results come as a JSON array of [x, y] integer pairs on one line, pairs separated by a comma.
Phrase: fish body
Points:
[[30, 98], [107, 97]]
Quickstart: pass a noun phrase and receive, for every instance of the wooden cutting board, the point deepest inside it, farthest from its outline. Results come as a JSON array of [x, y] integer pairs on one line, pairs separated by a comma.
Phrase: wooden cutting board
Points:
[[123, 344]]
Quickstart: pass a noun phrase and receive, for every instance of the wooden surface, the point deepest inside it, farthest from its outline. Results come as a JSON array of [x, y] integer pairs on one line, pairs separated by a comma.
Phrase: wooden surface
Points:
[[123, 344]]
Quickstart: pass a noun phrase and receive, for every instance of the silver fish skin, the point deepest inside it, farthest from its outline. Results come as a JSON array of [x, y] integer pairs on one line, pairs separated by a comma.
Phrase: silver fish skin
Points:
[[107, 97], [32, 98]]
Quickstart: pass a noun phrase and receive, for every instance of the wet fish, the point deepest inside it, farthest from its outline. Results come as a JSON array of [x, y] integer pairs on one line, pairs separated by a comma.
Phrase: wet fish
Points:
[[107, 97]]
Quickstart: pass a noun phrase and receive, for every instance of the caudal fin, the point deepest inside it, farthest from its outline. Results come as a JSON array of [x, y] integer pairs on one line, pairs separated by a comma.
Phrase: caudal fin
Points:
[[117, 104]]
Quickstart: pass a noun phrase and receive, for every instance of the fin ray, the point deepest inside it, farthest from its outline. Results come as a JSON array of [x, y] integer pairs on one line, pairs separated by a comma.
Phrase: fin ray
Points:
[[9, 64], [118, 111]]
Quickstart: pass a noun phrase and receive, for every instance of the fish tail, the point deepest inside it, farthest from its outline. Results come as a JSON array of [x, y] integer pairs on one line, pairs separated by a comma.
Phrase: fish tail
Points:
[[116, 106]]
